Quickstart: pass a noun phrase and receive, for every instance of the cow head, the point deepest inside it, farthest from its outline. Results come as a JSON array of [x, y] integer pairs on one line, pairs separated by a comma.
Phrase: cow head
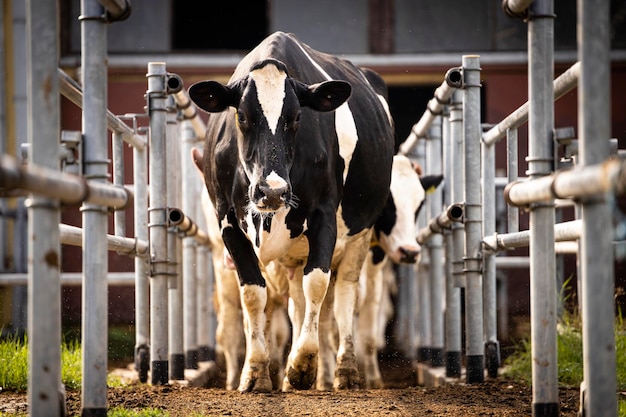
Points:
[[395, 228], [268, 106]]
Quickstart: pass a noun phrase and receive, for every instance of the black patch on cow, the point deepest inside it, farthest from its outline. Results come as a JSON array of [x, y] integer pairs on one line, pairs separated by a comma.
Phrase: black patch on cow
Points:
[[239, 248], [387, 218], [378, 254]]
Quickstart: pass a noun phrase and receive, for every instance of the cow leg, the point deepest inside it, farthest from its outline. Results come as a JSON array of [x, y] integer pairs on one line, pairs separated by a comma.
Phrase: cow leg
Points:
[[229, 332], [368, 322], [328, 345], [303, 361], [346, 289], [255, 375], [295, 309]]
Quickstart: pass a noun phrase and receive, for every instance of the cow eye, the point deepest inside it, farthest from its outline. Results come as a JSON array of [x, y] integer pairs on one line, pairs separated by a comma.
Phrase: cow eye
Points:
[[241, 118], [298, 117]]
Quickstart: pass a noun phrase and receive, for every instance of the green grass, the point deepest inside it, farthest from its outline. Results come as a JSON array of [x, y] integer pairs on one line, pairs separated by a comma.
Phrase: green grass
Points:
[[570, 357], [14, 365], [148, 412]]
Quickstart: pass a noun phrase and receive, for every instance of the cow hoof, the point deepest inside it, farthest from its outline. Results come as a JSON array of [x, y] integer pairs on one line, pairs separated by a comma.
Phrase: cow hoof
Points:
[[256, 380], [374, 384], [256, 385], [347, 378], [304, 377]]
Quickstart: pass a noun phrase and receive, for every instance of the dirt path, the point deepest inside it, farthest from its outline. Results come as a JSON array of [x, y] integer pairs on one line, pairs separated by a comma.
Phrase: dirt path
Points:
[[500, 397]]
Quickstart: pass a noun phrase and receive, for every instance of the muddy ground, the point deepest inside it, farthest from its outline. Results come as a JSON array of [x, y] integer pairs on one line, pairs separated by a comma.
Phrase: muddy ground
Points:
[[497, 397]]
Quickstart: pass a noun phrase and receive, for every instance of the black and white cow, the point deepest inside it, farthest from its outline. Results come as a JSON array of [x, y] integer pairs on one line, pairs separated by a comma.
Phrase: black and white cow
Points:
[[394, 241], [295, 182]]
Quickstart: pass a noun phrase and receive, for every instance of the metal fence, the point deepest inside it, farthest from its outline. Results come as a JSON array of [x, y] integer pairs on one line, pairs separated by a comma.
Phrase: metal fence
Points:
[[170, 250], [468, 157]]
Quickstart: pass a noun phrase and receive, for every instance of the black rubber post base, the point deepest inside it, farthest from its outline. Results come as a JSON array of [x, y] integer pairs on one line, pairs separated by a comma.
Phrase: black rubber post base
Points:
[[94, 412], [423, 354], [453, 364], [191, 359], [160, 374], [436, 357], [475, 369], [177, 368], [205, 354], [545, 409]]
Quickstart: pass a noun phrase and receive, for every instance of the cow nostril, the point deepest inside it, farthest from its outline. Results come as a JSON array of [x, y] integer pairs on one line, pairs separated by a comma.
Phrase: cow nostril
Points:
[[409, 255]]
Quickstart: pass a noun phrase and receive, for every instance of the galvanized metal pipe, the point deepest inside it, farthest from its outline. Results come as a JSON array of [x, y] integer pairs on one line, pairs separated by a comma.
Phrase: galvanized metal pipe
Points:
[[190, 113], [119, 217], [159, 270], [565, 231], [189, 197], [453, 213], [597, 271], [516, 8], [186, 226], [435, 246], [95, 165], [490, 321], [206, 314], [565, 83], [176, 307], [543, 294], [453, 80], [116, 9], [73, 92], [453, 290], [419, 303], [68, 188], [68, 278], [512, 212], [44, 215], [72, 235], [142, 284], [579, 182], [473, 221]]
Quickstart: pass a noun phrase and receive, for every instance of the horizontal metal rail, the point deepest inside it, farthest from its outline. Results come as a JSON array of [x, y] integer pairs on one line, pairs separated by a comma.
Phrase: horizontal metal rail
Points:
[[68, 188], [71, 278], [72, 235], [116, 9], [453, 80], [579, 182], [71, 90], [186, 226], [454, 213], [190, 112], [565, 231], [516, 8], [563, 84]]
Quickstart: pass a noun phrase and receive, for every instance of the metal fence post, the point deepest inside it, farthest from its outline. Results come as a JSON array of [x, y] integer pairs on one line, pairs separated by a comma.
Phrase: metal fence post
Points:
[[176, 321], [454, 181], [157, 225], [490, 322], [596, 250], [44, 289], [473, 222], [435, 246], [95, 255], [542, 255]]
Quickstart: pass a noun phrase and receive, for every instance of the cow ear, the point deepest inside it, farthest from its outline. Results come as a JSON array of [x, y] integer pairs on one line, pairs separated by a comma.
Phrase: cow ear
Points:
[[430, 182], [326, 96], [212, 96]]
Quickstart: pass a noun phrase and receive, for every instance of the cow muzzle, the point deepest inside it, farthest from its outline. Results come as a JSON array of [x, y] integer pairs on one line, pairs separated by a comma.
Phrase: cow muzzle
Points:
[[269, 198], [408, 255]]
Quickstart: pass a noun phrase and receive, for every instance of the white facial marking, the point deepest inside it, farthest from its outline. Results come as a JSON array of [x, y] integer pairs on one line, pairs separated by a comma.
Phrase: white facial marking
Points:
[[275, 181], [270, 86]]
